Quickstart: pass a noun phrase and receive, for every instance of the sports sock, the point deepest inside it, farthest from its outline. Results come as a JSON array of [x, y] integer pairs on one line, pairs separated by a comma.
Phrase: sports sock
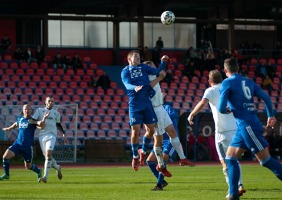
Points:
[[240, 177], [178, 147], [47, 166], [233, 174], [160, 179], [152, 165], [54, 164], [6, 166], [146, 143], [225, 172], [273, 165], [34, 168], [159, 155], [134, 148]]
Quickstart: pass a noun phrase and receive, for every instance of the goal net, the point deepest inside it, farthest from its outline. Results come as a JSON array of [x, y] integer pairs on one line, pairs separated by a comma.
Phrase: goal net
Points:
[[62, 152]]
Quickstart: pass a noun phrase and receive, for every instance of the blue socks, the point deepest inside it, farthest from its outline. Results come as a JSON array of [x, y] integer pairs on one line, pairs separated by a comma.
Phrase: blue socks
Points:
[[34, 168], [152, 165], [134, 148], [6, 166], [233, 174], [273, 165], [146, 143]]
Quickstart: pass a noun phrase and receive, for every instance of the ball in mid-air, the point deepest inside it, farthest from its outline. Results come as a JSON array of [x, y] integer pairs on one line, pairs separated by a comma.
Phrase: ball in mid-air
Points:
[[167, 17]]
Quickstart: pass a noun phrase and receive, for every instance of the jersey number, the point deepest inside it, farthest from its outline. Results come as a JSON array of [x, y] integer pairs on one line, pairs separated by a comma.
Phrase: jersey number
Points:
[[246, 90]]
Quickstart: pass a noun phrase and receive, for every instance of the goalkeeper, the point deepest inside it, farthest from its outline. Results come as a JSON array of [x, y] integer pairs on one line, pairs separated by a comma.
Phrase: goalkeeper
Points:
[[24, 142], [48, 136]]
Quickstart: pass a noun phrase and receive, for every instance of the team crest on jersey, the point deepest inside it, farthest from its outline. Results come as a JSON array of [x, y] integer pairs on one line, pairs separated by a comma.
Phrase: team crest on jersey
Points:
[[23, 124], [136, 72]]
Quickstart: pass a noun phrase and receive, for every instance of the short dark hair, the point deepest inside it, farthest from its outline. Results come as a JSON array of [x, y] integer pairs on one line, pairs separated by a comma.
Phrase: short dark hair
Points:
[[132, 52], [215, 76], [231, 65]]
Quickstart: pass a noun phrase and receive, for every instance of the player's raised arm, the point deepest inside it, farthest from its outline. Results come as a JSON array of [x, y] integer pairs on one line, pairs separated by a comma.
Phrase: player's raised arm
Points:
[[14, 125]]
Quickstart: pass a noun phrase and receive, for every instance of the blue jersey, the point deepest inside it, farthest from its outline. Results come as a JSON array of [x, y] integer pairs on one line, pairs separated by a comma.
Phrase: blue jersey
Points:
[[238, 92], [26, 132], [133, 76]]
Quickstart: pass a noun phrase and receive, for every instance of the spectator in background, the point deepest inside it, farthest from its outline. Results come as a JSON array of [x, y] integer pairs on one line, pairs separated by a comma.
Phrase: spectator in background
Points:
[[147, 54], [243, 72], [256, 48], [19, 55], [39, 55], [28, 55], [190, 70], [141, 52], [76, 62], [5, 44], [104, 81], [68, 61], [244, 47], [210, 61], [160, 45], [270, 69], [169, 77], [268, 84], [261, 70], [58, 62]]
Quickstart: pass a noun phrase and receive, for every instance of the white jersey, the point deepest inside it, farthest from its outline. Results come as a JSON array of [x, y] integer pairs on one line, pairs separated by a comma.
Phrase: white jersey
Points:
[[51, 122], [223, 122], [157, 102], [157, 99]]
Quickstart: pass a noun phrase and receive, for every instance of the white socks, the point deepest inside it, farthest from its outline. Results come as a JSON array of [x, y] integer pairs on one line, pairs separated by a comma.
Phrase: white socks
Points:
[[47, 166], [54, 164], [159, 155], [178, 147]]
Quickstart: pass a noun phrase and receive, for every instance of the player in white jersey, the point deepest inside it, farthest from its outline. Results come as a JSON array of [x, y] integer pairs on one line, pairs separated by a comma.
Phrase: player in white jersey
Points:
[[164, 123], [48, 136], [225, 124]]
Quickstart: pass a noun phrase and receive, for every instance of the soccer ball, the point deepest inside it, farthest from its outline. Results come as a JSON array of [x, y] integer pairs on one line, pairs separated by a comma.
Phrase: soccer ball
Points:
[[167, 17]]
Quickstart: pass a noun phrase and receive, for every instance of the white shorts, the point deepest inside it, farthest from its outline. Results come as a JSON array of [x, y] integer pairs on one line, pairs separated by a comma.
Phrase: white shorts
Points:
[[222, 141], [47, 142], [163, 119]]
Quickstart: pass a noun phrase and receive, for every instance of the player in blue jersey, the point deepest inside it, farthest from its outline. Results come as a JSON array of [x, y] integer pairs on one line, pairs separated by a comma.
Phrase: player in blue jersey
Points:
[[167, 149], [24, 142], [236, 96], [136, 81]]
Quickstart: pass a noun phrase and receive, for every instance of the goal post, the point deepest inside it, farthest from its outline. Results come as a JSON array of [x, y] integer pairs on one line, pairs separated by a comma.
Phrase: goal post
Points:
[[69, 115]]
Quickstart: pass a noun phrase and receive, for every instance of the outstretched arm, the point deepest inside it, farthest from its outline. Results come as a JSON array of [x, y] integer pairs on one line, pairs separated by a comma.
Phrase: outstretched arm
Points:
[[14, 125], [197, 109], [158, 79]]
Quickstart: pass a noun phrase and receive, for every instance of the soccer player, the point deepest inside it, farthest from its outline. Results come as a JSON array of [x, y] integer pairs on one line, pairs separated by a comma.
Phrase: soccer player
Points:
[[225, 124], [164, 123], [24, 142], [48, 135], [136, 81], [236, 95], [168, 150]]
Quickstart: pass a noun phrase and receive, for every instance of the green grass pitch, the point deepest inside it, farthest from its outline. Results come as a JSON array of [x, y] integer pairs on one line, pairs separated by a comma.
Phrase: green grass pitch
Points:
[[122, 183]]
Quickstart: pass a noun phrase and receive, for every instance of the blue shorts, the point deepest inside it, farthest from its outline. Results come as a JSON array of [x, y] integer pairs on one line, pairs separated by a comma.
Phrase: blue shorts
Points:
[[145, 116], [249, 137], [167, 149], [26, 152]]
